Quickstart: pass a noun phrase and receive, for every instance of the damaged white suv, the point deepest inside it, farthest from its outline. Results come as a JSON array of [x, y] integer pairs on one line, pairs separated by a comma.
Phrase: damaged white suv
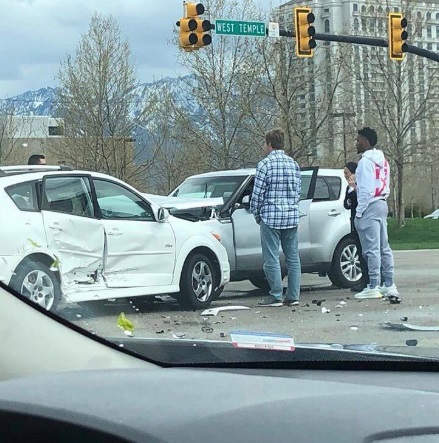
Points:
[[86, 236]]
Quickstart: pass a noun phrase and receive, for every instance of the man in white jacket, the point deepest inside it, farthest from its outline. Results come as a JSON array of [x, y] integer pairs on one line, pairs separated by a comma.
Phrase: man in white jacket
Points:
[[373, 178]]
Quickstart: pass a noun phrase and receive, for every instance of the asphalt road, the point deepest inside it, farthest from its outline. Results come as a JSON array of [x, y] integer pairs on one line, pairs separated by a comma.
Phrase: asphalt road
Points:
[[349, 321]]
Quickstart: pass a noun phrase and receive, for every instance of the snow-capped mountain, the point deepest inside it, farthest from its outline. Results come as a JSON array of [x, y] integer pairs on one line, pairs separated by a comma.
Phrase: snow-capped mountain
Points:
[[41, 102]]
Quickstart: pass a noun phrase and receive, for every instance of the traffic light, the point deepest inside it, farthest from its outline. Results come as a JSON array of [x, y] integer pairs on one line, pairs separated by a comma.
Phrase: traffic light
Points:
[[305, 43], [194, 30], [397, 36]]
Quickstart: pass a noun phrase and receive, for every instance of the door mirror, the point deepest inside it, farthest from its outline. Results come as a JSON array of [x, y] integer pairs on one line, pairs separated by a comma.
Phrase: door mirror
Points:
[[245, 202], [162, 215]]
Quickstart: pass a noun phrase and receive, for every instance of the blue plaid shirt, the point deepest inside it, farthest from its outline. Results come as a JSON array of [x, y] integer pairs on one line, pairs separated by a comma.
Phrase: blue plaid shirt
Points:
[[276, 192]]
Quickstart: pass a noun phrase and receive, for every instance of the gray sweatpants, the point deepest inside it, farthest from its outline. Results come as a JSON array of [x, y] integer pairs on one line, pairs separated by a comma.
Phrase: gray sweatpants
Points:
[[372, 230]]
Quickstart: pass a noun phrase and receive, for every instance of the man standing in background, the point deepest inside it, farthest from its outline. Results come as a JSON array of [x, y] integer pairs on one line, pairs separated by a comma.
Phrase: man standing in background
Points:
[[275, 206], [37, 159], [373, 178]]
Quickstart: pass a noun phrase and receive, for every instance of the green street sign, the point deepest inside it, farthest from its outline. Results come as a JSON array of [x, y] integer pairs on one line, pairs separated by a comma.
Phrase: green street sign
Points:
[[233, 27]]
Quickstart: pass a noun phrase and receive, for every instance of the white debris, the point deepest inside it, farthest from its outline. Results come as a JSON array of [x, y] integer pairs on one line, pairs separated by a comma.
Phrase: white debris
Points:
[[339, 307], [343, 303], [129, 333], [78, 315], [354, 328], [325, 310], [215, 311], [178, 335]]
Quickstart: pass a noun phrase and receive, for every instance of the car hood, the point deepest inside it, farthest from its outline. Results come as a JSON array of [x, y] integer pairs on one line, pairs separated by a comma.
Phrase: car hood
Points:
[[181, 203]]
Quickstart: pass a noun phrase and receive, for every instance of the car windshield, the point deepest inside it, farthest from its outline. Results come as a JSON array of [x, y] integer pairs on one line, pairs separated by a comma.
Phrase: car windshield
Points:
[[180, 173], [209, 187]]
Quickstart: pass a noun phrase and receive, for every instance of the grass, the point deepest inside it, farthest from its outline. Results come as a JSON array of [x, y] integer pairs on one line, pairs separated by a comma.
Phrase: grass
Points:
[[418, 233]]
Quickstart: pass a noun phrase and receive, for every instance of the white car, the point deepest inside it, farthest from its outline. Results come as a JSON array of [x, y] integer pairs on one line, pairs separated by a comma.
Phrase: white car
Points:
[[434, 215], [86, 236], [325, 243]]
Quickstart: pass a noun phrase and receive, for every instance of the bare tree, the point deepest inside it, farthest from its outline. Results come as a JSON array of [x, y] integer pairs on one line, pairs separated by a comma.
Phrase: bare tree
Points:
[[298, 93], [217, 122], [14, 136], [399, 97], [97, 99]]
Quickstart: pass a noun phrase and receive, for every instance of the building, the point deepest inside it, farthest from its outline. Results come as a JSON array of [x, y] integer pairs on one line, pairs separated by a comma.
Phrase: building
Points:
[[21, 136], [356, 102]]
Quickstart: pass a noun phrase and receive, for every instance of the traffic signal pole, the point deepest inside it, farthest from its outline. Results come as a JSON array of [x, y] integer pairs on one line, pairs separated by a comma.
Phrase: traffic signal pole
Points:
[[369, 41]]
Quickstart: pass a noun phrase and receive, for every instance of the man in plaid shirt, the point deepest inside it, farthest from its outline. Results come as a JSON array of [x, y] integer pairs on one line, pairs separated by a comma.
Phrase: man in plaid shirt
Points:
[[275, 206]]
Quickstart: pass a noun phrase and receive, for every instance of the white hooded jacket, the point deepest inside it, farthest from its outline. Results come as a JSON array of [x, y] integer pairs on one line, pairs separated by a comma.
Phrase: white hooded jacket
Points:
[[373, 178]]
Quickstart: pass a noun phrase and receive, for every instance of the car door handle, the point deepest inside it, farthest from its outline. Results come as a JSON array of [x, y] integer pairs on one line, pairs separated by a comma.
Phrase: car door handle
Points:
[[115, 233], [302, 214], [55, 227], [334, 213]]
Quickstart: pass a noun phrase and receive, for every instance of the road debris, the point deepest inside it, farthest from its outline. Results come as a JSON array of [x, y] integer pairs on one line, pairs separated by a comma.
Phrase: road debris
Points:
[[354, 328], [222, 335], [404, 318], [215, 311], [411, 342], [325, 310], [160, 331], [343, 303], [318, 302], [124, 323], [409, 326], [178, 335]]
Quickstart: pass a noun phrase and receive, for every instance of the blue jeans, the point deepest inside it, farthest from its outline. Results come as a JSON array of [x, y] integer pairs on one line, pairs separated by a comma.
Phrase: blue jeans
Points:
[[271, 239]]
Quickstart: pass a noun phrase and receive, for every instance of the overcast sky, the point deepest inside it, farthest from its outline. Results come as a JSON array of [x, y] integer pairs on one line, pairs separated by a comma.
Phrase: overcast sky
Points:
[[36, 35]]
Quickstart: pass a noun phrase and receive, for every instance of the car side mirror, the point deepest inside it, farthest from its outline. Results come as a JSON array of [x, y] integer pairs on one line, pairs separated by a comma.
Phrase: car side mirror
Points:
[[245, 203], [162, 215]]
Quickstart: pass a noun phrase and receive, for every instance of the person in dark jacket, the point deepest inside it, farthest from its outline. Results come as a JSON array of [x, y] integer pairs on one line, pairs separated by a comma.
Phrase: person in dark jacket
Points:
[[350, 202]]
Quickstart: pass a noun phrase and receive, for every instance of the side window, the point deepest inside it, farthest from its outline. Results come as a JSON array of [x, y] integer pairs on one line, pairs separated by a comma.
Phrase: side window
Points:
[[334, 184], [322, 189], [327, 188], [69, 195], [24, 196], [117, 202]]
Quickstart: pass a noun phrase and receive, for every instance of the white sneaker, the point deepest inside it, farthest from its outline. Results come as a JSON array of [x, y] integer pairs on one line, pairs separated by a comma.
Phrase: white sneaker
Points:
[[369, 293], [390, 291]]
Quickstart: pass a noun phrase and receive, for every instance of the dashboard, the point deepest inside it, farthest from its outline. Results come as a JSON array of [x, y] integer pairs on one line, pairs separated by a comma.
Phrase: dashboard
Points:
[[208, 405]]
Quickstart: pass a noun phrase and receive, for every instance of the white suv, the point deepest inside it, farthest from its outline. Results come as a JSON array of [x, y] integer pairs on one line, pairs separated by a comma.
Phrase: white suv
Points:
[[325, 243], [86, 236]]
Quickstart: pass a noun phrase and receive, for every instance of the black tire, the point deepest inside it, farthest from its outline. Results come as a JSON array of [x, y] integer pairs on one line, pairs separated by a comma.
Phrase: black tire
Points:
[[260, 282], [345, 271], [38, 283], [218, 293], [198, 281]]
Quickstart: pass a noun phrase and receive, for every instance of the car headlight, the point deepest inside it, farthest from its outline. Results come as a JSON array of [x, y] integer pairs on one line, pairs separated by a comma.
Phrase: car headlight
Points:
[[216, 235]]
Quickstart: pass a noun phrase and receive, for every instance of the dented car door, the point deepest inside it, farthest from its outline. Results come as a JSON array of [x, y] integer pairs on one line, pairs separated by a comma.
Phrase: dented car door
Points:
[[73, 233]]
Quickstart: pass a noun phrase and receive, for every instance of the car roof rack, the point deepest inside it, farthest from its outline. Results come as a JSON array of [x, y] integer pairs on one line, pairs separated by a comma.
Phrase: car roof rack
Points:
[[24, 169]]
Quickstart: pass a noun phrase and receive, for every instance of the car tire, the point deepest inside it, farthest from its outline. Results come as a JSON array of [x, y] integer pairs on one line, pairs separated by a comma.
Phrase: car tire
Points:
[[260, 282], [218, 293], [345, 271], [35, 281], [198, 281]]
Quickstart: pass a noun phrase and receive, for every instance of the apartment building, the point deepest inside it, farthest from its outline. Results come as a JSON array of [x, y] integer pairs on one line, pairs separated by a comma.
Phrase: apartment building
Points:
[[355, 101]]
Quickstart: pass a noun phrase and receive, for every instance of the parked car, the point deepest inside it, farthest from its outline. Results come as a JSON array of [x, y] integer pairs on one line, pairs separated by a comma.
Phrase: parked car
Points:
[[434, 215], [85, 236], [325, 243]]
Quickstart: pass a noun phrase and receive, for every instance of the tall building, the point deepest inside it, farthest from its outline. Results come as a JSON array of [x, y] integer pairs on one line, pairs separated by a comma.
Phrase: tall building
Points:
[[363, 81]]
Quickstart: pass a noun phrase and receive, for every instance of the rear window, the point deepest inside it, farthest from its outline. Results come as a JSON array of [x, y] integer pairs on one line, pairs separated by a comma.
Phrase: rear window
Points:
[[24, 196]]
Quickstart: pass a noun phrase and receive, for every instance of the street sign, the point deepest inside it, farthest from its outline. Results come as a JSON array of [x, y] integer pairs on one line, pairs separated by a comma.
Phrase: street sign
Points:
[[273, 29], [233, 27]]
